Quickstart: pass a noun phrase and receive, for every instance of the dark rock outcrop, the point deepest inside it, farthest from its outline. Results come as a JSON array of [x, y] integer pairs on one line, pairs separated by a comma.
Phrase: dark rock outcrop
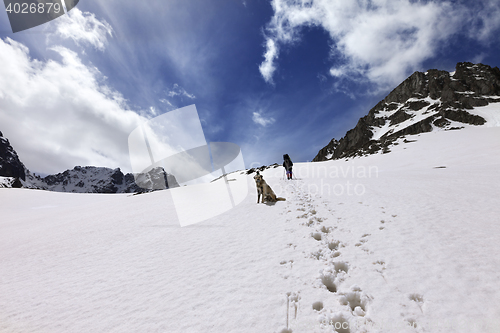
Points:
[[438, 97], [327, 151], [10, 165]]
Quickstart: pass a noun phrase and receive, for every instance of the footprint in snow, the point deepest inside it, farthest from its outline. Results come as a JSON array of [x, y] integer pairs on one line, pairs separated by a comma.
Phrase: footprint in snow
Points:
[[316, 235], [417, 298], [411, 322], [334, 245], [317, 306], [329, 282], [380, 266], [356, 300], [341, 266], [335, 254], [326, 230]]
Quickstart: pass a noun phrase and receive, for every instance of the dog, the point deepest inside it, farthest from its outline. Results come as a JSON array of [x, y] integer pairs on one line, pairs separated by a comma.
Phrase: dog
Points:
[[264, 190]]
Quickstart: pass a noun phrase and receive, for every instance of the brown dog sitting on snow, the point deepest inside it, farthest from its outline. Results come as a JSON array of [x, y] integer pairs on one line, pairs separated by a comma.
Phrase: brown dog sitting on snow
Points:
[[264, 190]]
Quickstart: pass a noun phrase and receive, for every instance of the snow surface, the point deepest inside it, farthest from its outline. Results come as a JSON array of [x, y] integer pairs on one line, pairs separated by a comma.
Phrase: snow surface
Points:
[[398, 242], [490, 112]]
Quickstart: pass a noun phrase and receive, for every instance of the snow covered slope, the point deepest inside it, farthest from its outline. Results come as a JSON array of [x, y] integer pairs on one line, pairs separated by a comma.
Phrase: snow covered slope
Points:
[[399, 242]]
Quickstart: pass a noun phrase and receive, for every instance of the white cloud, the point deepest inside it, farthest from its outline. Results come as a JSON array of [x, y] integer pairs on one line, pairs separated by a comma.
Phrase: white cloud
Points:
[[478, 58], [484, 22], [166, 101], [58, 114], [267, 67], [379, 40], [84, 28], [179, 91], [259, 119], [153, 111]]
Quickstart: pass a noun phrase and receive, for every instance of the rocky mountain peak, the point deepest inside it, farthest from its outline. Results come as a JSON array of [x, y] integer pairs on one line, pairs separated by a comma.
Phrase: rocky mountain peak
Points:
[[466, 84], [423, 102]]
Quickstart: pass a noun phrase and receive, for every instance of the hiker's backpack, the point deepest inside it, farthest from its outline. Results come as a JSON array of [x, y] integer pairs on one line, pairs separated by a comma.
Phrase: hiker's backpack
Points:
[[287, 160]]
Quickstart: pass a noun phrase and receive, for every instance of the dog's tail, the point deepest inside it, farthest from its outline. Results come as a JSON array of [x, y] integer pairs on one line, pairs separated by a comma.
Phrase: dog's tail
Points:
[[280, 199]]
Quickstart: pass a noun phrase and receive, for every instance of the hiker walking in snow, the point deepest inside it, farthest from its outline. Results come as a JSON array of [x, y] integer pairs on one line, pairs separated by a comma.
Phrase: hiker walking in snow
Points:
[[287, 164]]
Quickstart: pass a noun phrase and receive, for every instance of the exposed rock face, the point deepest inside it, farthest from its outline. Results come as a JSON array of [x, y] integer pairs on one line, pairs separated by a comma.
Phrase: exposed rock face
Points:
[[9, 182], [155, 179], [10, 165], [327, 151], [423, 102], [87, 179]]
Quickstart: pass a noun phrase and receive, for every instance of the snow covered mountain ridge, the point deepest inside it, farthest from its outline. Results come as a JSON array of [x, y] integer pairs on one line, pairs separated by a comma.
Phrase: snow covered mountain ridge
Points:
[[87, 179], [434, 100], [90, 179]]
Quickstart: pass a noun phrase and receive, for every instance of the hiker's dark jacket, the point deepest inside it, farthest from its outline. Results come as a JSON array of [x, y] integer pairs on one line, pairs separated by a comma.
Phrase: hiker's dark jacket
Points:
[[287, 164]]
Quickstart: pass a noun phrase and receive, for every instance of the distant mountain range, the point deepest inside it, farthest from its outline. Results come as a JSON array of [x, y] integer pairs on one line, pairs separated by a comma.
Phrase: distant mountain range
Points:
[[434, 100], [87, 179]]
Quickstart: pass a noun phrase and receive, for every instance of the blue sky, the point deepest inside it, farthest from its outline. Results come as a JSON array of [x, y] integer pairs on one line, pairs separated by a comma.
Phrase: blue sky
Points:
[[273, 77]]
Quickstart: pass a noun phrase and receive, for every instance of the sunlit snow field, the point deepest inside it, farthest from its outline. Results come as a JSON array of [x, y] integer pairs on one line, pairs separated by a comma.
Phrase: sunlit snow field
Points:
[[400, 242]]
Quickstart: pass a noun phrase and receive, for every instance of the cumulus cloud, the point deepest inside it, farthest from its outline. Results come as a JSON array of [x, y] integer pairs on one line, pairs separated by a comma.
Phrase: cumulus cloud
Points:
[[58, 114], [84, 28], [380, 41], [260, 120]]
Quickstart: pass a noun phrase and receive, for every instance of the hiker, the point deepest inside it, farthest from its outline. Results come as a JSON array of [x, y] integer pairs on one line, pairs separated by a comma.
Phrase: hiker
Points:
[[287, 164]]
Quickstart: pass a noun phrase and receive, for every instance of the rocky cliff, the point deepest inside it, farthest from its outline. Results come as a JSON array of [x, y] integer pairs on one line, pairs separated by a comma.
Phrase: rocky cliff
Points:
[[10, 165], [422, 103]]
